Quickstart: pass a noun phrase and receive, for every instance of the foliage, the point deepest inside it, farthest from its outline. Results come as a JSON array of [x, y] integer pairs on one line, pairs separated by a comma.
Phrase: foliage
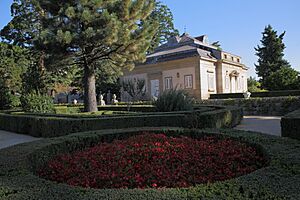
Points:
[[174, 100], [271, 63], [37, 103], [279, 181], [118, 32], [254, 85], [13, 63], [5, 96], [49, 125], [290, 125], [25, 25], [274, 105], [154, 160], [134, 88], [163, 15], [286, 78], [23, 30]]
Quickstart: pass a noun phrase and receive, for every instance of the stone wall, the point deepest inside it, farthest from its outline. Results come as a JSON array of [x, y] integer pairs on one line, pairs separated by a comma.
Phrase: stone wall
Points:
[[268, 106]]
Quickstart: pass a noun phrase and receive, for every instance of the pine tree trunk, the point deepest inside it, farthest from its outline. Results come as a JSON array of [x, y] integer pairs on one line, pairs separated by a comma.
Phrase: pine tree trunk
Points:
[[90, 100]]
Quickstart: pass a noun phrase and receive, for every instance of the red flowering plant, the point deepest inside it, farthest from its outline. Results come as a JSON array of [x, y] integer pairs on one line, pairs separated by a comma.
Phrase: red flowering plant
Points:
[[154, 161]]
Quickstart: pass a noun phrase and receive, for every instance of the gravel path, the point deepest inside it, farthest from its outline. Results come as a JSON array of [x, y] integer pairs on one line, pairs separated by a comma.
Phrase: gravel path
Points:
[[8, 139], [268, 125]]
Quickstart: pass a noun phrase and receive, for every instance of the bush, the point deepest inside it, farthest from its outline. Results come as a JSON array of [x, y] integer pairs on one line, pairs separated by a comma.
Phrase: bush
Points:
[[7, 99], [283, 93], [37, 103], [67, 109], [290, 125], [280, 180], [174, 100], [50, 125]]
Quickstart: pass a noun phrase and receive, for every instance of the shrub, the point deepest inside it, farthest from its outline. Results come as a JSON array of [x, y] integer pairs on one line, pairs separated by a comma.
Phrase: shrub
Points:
[[290, 125], [37, 103], [67, 109], [50, 125], [280, 180], [174, 100], [7, 99]]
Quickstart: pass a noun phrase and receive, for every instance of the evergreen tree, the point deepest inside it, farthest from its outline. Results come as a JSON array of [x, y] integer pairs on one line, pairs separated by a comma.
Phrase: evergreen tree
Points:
[[163, 15], [90, 32], [286, 78], [23, 30], [14, 61], [270, 53]]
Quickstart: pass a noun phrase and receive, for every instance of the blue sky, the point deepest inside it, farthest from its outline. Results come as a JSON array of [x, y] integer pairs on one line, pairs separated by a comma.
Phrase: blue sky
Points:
[[237, 24]]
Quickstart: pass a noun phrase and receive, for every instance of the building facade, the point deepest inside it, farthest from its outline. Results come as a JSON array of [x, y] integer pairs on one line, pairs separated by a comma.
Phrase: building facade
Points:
[[191, 64]]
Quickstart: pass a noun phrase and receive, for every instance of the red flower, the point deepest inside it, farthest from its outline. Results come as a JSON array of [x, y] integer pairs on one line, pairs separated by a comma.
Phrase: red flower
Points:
[[154, 160]]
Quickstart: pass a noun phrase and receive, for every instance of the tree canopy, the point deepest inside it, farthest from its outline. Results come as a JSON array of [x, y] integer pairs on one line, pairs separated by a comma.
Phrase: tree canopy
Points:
[[87, 33], [275, 72], [14, 61], [166, 29]]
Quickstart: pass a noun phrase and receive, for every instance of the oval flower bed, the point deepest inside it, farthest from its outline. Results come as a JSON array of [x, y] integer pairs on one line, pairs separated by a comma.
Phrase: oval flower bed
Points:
[[154, 160]]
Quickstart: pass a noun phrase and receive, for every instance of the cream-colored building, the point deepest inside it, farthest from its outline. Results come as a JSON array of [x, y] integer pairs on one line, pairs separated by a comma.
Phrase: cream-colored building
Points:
[[191, 64]]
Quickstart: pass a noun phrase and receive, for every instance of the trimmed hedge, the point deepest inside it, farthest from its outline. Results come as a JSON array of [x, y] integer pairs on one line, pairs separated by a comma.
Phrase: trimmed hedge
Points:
[[65, 109], [257, 94], [280, 180], [59, 125], [271, 106], [290, 125]]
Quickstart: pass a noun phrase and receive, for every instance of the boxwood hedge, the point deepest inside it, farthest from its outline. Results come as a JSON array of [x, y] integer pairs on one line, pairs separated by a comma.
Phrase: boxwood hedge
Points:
[[290, 125], [59, 125], [63, 109], [280, 180]]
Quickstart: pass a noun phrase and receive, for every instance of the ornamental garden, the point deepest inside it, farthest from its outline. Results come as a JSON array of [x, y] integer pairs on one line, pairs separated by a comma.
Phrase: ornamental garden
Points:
[[145, 153], [100, 137]]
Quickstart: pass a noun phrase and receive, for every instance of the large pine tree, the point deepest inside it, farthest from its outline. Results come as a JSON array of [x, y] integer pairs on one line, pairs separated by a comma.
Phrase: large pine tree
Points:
[[88, 32], [166, 29], [271, 56]]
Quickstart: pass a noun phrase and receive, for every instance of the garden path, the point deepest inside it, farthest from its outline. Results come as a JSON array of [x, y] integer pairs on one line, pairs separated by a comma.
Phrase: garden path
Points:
[[263, 124], [8, 139]]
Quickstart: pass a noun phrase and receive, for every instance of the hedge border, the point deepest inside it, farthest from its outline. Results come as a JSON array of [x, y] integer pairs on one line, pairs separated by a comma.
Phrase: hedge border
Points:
[[290, 125], [53, 126], [280, 180], [282, 93]]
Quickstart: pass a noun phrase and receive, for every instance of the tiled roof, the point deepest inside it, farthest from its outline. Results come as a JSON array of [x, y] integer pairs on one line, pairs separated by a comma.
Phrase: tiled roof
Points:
[[183, 46], [180, 52], [172, 50]]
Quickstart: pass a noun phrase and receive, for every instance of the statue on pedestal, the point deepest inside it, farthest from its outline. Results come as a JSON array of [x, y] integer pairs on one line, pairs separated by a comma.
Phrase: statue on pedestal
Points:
[[102, 102], [114, 99]]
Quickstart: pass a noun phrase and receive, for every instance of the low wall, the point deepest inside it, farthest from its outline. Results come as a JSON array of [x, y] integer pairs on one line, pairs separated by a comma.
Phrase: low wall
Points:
[[290, 125], [269, 106], [52, 126]]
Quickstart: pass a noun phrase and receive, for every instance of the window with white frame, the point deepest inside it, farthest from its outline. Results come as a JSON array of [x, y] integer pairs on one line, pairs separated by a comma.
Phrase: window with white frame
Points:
[[188, 81], [211, 81], [168, 83]]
